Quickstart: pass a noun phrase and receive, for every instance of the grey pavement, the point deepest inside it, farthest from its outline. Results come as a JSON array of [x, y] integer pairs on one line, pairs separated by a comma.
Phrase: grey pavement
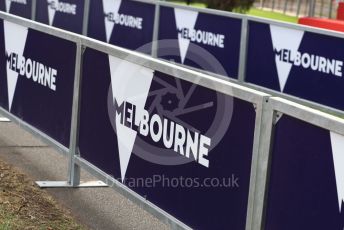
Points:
[[96, 208]]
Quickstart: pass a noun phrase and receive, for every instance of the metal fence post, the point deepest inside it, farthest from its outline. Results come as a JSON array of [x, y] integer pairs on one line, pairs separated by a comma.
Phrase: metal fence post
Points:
[[273, 5], [285, 6], [306, 8], [73, 168], [243, 50], [260, 167], [260, 171], [33, 9], [330, 10], [321, 8], [86, 17], [279, 6], [311, 8], [298, 7], [156, 30]]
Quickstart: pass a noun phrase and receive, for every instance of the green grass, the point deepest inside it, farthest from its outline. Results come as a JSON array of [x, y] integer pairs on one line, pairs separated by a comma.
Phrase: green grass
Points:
[[194, 4], [8, 221], [272, 15]]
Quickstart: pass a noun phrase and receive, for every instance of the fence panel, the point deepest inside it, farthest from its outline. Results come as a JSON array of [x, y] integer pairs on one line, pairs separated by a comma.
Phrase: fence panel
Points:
[[67, 15], [166, 138], [128, 24], [306, 177], [37, 79], [21, 8], [292, 61], [200, 40]]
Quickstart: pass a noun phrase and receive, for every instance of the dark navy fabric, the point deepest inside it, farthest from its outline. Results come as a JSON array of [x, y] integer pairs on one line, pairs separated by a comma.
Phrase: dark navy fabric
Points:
[[228, 56], [3, 79], [302, 190], [19, 9], [198, 207], [47, 110], [126, 37], [311, 85], [70, 22]]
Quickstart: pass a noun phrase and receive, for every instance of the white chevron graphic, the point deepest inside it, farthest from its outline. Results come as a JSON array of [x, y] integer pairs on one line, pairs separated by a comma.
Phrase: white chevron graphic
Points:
[[8, 5], [184, 19], [337, 142], [284, 38], [51, 10], [130, 83], [15, 39], [110, 6]]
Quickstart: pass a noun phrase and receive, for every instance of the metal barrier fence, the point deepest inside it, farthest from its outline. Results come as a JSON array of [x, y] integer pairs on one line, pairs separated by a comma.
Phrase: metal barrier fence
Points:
[[132, 120], [127, 140]]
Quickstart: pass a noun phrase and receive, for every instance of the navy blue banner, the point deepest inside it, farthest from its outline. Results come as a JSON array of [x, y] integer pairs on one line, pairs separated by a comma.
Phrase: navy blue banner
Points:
[[198, 38], [183, 147], [302, 64], [36, 79], [306, 188], [21, 8], [64, 14], [124, 23]]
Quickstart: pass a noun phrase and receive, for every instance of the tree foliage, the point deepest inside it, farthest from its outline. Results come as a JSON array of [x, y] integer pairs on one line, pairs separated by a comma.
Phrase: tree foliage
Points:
[[230, 5]]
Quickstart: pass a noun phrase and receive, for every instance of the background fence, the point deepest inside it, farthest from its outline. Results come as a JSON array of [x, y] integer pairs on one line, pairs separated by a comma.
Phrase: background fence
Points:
[[315, 8]]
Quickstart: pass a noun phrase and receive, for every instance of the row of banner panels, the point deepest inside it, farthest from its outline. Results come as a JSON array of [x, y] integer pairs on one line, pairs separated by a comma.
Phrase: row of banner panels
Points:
[[297, 62], [305, 188], [128, 24], [289, 60], [66, 14], [37, 80], [186, 36]]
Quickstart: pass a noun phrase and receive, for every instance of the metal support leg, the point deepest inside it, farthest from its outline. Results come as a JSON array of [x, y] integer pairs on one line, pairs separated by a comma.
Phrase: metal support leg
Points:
[[73, 168], [260, 166], [4, 119], [65, 184]]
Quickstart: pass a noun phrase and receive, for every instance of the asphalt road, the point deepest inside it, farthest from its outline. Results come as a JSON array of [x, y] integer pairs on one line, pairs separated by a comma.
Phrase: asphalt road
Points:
[[96, 208]]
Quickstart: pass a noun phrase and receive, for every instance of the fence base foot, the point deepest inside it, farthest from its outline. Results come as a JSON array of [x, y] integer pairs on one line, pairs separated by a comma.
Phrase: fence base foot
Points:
[[4, 119], [66, 184]]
